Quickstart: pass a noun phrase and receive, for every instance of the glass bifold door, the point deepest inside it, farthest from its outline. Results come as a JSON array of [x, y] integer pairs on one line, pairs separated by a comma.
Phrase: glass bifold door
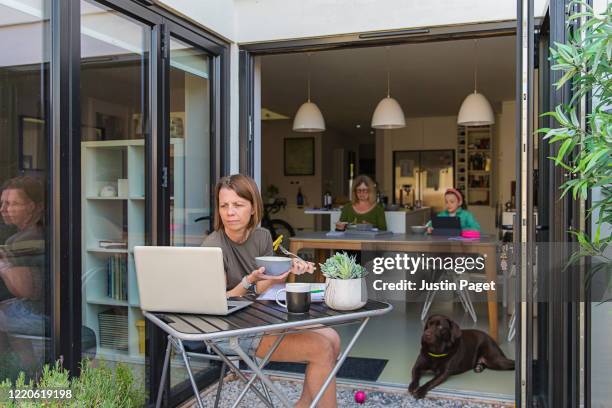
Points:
[[146, 107]]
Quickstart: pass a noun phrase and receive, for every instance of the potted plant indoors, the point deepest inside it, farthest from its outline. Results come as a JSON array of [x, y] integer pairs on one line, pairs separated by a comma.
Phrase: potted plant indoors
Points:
[[346, 286]]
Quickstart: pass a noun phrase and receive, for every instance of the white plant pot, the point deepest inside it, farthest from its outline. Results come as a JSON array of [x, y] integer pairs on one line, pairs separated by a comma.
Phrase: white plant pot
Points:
[[346, 294]]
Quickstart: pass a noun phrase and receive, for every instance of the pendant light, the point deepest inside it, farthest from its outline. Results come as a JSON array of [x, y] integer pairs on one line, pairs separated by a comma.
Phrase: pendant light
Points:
[[388, 113], [308, 117], [475, 109]]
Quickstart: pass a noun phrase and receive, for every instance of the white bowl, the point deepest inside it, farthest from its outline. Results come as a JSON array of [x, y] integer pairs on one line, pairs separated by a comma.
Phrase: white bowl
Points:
[[275, 265], [418, 229]]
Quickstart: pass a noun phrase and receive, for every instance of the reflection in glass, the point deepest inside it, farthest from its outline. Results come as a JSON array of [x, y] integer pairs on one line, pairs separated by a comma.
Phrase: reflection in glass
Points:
[[189, 178], [114, 100], [24, 270], [189, 144]]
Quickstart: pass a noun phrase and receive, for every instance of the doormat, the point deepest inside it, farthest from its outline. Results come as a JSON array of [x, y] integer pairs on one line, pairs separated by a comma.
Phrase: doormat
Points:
[[353, 368]]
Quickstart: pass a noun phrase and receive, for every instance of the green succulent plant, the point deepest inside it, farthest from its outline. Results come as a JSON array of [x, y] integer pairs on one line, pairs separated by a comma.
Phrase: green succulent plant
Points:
[[342, 266]]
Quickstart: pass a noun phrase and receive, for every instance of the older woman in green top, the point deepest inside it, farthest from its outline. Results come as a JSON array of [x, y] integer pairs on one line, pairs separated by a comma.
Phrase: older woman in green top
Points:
[[363, 208], [455, 207]]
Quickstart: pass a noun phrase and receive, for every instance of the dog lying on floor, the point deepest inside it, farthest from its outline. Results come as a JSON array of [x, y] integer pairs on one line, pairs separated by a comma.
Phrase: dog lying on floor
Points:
[[447, 350]]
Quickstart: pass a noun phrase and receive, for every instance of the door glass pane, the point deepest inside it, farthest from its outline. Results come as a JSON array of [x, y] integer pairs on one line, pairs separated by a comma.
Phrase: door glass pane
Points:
[[114, 101], [25, 293], [190, 166]]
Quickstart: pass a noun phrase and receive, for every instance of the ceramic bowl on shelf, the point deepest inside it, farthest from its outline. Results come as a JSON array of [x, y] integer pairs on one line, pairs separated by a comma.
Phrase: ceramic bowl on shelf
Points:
[[108, 190]]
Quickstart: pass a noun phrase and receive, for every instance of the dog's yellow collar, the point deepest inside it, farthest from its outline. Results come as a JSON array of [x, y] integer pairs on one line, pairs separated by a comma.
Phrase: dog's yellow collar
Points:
[[437, 355]]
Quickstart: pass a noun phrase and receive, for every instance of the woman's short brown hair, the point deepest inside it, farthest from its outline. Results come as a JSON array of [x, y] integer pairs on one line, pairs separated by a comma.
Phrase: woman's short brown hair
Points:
[[246, 188], [363, 179], [31, 187]]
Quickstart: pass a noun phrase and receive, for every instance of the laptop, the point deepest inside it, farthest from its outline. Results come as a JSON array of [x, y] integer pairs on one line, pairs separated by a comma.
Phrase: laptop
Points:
[[183, 280], [446, 226]]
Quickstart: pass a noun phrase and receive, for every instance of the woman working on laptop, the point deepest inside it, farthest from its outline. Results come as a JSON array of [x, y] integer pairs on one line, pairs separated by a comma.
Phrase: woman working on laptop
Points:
[[455, 207], [238, 212]]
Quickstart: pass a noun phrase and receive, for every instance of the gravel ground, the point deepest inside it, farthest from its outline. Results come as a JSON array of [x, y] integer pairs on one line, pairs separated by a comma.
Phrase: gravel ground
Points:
[[292, 390]]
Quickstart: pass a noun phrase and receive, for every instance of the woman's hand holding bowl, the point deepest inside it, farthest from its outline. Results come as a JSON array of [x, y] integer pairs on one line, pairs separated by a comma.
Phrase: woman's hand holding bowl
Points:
[[260, 275]]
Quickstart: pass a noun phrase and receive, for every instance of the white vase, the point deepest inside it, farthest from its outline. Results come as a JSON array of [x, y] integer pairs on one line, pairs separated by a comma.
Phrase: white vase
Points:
[[346, 294]]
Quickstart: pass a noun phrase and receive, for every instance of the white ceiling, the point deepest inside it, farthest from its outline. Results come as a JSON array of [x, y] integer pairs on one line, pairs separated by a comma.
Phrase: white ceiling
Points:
[[428, 79]]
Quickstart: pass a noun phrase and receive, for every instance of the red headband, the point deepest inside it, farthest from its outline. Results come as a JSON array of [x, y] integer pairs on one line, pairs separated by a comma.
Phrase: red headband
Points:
[[456, 193]]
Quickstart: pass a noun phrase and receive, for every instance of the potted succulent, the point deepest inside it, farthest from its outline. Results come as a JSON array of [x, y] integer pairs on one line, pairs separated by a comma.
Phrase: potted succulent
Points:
[[346, 286]]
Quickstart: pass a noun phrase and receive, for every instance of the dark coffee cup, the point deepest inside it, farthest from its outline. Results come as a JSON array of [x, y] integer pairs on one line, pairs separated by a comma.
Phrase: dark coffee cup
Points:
[[297, 297]]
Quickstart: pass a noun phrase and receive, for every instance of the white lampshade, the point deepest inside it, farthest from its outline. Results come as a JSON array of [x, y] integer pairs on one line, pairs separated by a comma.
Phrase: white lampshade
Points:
[[475, 111], [308, 119], [388, 115]]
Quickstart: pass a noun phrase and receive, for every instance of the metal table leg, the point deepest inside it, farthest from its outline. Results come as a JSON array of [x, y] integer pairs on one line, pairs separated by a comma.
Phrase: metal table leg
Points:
[[253, 366], [237, 371], [343, 356], [220, 384], [162, 382], [264, 361], [191, 378]]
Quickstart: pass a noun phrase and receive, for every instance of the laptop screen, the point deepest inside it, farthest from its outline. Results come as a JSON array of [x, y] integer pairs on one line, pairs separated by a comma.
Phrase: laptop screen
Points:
[[446, 222]]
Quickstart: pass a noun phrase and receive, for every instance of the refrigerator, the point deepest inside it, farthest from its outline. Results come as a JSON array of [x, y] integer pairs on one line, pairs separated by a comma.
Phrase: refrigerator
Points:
[[420, 177]]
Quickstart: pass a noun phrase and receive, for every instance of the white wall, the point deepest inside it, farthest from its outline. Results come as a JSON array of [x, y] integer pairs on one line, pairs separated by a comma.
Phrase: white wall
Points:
[[266, 20], [217, 16], [273, 134], [244, 21]]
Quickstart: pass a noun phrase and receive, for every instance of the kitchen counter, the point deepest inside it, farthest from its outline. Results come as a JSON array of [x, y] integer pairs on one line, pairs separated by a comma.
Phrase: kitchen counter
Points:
[[398, 221]]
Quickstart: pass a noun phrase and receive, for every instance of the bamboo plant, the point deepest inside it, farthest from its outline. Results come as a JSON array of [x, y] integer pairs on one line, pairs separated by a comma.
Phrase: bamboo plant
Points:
[[585, 152]]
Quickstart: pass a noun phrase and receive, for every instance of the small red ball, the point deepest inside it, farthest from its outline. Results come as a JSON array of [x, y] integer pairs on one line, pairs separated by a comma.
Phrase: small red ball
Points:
[[360, 397]]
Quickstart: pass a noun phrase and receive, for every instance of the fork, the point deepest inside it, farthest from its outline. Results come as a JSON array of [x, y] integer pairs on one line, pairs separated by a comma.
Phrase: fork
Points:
[[286, 252]]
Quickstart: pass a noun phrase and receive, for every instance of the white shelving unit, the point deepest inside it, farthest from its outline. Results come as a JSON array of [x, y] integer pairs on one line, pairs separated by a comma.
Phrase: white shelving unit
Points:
[[120, 219]]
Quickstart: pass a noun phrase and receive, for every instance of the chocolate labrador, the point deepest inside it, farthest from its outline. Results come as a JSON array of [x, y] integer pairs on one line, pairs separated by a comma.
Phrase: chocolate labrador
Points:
[[447, 350]]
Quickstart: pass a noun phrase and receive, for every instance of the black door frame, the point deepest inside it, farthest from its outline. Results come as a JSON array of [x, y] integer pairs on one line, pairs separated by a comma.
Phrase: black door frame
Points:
[[563, 345], [65, 191], [218, 126]]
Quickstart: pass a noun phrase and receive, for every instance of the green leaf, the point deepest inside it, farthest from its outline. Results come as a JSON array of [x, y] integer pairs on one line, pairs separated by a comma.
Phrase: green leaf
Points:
[[564, 148], [595, 159], [569, 74]]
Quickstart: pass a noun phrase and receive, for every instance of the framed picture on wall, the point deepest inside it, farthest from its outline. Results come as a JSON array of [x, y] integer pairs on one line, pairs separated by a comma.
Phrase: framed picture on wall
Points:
[[32, 144], [299, 156]]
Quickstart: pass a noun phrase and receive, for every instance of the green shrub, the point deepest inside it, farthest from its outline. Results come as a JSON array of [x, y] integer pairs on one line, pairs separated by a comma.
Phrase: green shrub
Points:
[[96, 387], [585, 151]]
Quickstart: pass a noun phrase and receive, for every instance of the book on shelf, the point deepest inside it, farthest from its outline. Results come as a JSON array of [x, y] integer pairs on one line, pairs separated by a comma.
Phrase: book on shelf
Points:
[[107, 244], [116, 275]]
